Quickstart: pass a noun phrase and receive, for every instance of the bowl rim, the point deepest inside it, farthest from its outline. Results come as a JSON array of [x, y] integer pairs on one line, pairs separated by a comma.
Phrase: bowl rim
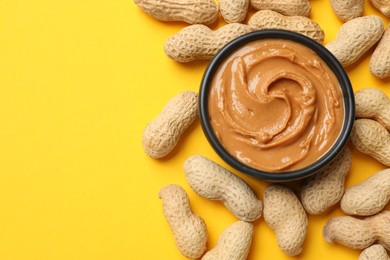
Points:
[[326, 56]]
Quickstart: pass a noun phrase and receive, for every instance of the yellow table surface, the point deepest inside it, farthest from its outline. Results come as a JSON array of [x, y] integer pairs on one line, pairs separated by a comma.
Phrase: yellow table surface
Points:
[[79, 81]]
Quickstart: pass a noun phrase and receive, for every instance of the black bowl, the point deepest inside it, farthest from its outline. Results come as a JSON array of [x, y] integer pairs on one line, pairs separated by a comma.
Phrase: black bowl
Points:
[[327, 57]]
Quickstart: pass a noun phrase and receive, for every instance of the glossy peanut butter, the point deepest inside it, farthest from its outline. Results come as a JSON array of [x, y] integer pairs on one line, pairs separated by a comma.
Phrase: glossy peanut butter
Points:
[[275, 105]]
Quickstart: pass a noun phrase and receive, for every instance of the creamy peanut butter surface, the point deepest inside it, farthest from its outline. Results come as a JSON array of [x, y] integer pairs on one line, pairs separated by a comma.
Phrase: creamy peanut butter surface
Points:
[[275, 105]]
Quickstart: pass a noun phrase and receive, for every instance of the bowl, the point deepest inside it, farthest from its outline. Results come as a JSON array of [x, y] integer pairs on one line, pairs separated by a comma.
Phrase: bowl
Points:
[[280, 175]]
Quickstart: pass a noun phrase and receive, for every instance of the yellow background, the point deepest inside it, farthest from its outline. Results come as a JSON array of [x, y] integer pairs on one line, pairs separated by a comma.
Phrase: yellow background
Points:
[[79, 81]]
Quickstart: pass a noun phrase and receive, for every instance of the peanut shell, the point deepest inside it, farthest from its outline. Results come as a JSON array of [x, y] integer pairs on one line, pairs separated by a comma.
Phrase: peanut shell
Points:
[[234, 243], [370, 137], [189, 230], [285, 215], [374, 252], [199, 42], [346, 10], [268, 19], [211, 181], [359, 233], [373, 104], [380, 59], [355, 38], [233, 11], [326, 188], [382, 5], [162, 134], [189, 11], [369, 196], [285, 7]]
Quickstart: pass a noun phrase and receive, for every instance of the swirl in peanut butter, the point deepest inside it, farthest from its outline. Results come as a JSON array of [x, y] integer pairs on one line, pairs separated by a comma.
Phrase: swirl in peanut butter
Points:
[[275, 105]]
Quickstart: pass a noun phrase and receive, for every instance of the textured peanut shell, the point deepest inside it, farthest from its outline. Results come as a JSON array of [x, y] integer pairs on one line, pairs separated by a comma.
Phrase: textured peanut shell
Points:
[[374, 104], [189, 230], [380, 59], [162, 134], [285, 215], [267, 19], [374, 252], [371, 138], [234, 243], [382, 5], [346, 10], [359, 233], [233, 11], [285, 7], [325, 189], [369, 196], [199, 42], [190, 11], [355, 38], [213, 182]]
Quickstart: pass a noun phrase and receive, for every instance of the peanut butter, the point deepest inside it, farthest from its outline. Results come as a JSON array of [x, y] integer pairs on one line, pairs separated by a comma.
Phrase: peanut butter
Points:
[[275, 105]]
